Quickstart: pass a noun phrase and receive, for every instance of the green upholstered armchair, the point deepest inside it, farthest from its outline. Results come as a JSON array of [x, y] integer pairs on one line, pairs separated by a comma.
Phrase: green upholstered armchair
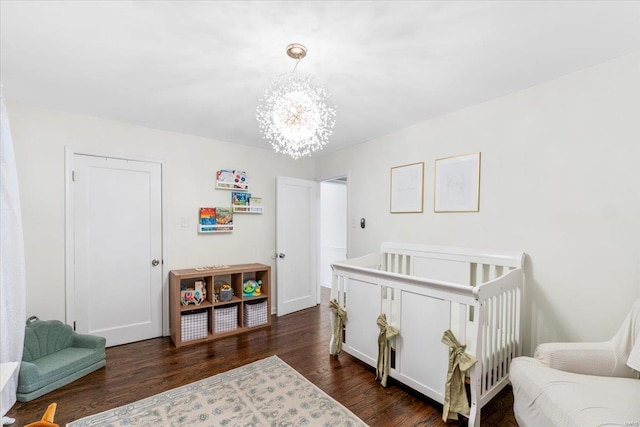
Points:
[[54, 355]]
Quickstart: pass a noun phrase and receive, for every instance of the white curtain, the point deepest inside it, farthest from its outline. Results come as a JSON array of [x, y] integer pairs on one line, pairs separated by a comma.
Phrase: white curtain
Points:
[[12, 271]]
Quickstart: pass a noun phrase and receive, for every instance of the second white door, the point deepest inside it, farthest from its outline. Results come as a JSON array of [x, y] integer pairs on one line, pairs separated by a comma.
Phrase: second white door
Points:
[[296, 244]]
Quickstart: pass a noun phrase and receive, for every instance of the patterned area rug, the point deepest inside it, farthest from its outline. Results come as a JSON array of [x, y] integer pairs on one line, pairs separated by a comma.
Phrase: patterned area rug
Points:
[[264, 393]]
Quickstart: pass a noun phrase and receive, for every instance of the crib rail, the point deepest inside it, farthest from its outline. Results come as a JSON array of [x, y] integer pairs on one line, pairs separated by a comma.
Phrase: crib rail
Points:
[[498, 342]]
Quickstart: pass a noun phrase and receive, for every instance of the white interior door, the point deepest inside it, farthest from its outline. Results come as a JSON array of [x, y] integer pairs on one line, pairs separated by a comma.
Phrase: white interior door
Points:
[[296, 244], [117, 242]]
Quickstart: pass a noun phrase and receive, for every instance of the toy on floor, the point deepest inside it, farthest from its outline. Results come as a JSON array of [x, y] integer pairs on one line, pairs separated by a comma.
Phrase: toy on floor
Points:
[[47, 418], [251, 288]]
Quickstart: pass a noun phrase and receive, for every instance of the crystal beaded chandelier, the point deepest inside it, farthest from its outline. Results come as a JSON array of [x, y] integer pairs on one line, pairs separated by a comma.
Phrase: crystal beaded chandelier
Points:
[[293, 115]]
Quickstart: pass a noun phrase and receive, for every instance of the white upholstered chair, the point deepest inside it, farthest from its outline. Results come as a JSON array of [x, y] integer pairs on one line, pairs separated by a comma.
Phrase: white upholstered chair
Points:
[[581, 384]]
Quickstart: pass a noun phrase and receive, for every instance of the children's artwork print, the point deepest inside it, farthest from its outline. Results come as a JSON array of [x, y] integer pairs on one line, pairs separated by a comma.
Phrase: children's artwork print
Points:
[[215, 219], [240, 199], [207, 219], [232, 179], [224, 216]]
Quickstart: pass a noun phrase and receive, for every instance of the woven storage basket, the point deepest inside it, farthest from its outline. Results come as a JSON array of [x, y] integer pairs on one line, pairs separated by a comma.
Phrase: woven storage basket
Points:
[[225, 318], [255, 313], [194, 326]]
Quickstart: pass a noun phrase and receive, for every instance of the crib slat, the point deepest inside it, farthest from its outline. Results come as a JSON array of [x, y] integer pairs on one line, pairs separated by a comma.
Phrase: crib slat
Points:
[[473, 277], [494, 337], [510, 333], [499, 336], [494, 340], [462, 316], [485, 348]]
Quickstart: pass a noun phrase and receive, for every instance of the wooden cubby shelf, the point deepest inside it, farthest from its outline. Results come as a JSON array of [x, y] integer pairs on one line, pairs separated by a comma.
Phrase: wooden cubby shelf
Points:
[[212, 319]]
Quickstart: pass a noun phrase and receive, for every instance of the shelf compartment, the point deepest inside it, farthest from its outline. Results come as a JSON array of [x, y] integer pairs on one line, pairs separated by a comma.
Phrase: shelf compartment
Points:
[[258, 277], [255, 313], [225, 319], [194, 326]]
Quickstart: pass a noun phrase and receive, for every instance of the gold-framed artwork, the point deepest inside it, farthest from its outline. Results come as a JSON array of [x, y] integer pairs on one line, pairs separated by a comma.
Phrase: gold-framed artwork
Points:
[[457, 184], [407, 192]]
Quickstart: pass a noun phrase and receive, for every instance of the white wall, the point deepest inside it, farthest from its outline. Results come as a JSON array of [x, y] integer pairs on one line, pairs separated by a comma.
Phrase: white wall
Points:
[[560, 180], [40, 136], [333, 227]]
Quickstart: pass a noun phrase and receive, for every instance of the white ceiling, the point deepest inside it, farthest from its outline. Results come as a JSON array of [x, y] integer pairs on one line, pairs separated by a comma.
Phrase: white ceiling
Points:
[[199, 67]]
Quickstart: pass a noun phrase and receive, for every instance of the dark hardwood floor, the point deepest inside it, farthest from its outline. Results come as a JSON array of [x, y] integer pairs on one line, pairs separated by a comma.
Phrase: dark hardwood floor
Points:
[[138, 370]]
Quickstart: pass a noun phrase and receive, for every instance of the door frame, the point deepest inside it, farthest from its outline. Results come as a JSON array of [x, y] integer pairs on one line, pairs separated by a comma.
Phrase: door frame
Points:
[[69, 243], [333, 177]]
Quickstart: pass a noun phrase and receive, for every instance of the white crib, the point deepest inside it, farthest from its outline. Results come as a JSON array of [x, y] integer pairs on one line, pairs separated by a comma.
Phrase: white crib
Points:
[[425, 290]]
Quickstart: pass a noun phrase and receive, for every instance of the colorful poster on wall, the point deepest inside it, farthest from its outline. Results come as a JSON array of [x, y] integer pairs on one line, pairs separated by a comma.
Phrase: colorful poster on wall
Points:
[[207, 219], [240, 199], [224, 218], [232, 179]]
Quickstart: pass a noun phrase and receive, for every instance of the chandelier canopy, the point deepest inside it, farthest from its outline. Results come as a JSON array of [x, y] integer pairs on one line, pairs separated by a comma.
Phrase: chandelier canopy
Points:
[[293, 114]]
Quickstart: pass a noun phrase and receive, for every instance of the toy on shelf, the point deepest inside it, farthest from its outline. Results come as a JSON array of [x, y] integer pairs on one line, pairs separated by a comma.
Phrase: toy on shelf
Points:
[[224, 291], [193, 296], [252, 288]]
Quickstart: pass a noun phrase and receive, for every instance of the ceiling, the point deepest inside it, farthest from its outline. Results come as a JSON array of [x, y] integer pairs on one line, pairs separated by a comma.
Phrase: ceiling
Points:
[[200, 67]]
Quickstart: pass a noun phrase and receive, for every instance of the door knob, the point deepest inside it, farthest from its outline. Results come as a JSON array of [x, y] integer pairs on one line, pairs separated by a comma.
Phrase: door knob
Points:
[[155, 262], [281, 255]]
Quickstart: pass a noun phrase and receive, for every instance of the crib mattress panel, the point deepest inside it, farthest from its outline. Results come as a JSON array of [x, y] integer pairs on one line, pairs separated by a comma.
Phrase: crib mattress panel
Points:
[[363, 308], [422, 358]]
